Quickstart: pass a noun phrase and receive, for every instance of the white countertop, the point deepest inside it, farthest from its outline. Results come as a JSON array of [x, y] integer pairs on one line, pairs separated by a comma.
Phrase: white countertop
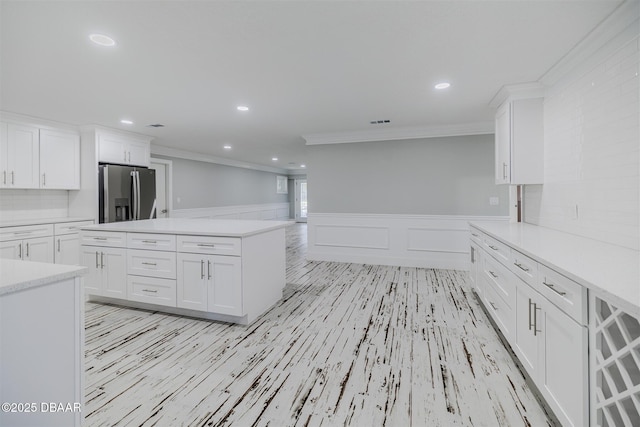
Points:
[[193, 226], [612, 272], [20, 275], [21, 222]]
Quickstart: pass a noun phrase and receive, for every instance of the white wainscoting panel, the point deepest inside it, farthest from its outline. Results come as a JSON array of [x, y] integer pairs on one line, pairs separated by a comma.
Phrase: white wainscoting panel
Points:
[[431, 241], [274, 211]]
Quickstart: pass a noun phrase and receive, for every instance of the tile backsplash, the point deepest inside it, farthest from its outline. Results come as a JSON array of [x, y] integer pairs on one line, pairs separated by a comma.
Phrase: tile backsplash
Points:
[[33, 204], [592, 153]]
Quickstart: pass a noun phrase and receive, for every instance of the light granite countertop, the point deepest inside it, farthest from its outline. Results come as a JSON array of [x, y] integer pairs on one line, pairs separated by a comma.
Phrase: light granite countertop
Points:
[[611, 272], [18, 275], [22, 222], [192, 226]]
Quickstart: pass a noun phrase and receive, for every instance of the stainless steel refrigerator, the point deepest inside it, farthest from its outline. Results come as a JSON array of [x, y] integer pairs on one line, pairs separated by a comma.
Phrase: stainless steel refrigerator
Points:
[[126, 193]]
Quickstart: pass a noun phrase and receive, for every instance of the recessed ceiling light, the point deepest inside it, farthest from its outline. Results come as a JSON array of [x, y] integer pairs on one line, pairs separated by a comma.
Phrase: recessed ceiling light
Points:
[[102, 40], [227, 147], [242, 108], [303, 166], [275, 159], [126, 122], [443, 85]]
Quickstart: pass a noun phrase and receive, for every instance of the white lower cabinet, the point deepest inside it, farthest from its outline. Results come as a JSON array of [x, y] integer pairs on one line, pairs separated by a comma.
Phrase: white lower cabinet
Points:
[[544, 320], [210, 283], [39, 249], [151, 290], [107, 274]]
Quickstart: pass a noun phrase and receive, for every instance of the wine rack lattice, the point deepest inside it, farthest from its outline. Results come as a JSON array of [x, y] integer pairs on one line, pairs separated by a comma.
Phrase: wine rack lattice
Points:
[[617, 367]]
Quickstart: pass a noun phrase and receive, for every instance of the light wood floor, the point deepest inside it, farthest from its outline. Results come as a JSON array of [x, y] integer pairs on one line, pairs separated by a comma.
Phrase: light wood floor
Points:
[[348, 345]]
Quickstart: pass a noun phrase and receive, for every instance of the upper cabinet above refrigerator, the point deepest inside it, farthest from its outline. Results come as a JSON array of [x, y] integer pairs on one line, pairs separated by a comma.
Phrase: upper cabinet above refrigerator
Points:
[[123, 150]]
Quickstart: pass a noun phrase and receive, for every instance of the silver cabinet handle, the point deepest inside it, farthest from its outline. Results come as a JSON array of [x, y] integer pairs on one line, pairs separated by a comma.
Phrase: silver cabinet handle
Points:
[[99, 238], [97, 261], [4, 177], [150, 241], [101, 259], [22, 232], [495, 276], [206, 245], [20, 251], [493, 247], [473, 255], [150, 290], [13, 177], [149, 263], [129, 156], [44, 180], [530, 323], [27, 249], [202, 269], [521, 267], [208, 269], [535, 319], [58, 245], [493, 306], [504, 170], [125, 156], [474, 234], [552, 287]]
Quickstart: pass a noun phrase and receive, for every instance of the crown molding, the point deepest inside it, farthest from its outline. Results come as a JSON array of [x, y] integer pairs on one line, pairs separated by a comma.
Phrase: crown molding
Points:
[[8, 116], [620, 27], [393, 134], [99, 128], [162, 150], [517, 91]]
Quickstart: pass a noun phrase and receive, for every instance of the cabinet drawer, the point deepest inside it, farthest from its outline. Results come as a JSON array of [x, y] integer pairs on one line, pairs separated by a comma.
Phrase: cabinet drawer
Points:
[[25, 232], [151, 290], [210, 245], [496, 248], [114, 239], [158, 242], [502, 280], [524, 267], [151, 263], [62, 228], [475, 235], [501, 312], [564, 293]]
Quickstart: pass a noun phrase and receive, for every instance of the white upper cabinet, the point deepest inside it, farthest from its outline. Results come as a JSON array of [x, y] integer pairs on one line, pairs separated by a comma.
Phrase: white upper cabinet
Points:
[[519, 141], [59, 160], [115, 148], [19, 156]]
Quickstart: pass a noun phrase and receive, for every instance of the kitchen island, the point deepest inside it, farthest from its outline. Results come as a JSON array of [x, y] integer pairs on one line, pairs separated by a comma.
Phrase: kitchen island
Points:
[[41, 344], [225, 270]]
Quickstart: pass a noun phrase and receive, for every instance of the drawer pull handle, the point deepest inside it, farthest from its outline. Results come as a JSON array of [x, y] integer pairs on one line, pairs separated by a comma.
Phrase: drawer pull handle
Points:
[[206, 245], [552, 287], [149, 263], [201, 269], [521, 267], [150, 241], [530, 324], [474, 234], [493, 306], [495, 276], [153, 291], [99, 238], [22, 232], [493, 247]]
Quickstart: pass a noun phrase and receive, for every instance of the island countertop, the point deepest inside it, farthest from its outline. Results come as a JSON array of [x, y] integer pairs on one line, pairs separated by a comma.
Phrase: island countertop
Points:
[[611, 271], [193, 226], [20, 275]]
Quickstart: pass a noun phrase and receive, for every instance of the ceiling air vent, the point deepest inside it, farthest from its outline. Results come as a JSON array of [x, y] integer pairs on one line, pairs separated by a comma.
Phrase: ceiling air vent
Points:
[[379, 122], [155, 125]]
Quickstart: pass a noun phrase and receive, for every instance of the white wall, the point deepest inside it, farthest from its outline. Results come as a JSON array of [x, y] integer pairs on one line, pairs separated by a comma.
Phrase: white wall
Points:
[[592, 147], [16, 205]]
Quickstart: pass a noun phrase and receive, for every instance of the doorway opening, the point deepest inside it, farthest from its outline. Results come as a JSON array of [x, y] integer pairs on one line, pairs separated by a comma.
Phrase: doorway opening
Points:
[[301, 200], [164, 190]]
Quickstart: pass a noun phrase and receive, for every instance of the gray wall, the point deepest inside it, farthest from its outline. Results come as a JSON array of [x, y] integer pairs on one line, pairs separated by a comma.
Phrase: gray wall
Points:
[[203, 184], [432, 176]]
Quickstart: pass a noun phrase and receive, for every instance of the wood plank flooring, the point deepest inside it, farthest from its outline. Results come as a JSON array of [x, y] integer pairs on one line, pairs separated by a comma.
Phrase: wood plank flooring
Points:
[[348, 345]]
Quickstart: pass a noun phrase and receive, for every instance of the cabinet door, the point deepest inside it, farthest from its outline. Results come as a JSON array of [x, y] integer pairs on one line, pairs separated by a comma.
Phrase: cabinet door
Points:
[[23, 158], [503, 144], [67, 249], [59, 160], [192, 281], [39, 249], [3, 155], [138, 153], [528, 327], [112, 149], [564, 360], [11, 249], [113, 263], [90, 258], [224, 274]]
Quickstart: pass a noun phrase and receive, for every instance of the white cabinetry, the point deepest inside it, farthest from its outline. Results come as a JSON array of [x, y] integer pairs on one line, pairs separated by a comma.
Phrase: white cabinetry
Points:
[[19, 156], [519, 145], [67, 242], [543, 316], [121, 149], [59, 160], [28, 243], [106, 258]]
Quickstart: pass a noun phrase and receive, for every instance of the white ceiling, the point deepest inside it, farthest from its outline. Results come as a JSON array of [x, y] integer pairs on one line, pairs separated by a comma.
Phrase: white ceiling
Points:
[[303, 67]]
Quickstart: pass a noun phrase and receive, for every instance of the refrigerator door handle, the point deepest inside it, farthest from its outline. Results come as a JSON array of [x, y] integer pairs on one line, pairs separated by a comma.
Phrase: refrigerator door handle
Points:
[[134, 196], [138, 195]]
